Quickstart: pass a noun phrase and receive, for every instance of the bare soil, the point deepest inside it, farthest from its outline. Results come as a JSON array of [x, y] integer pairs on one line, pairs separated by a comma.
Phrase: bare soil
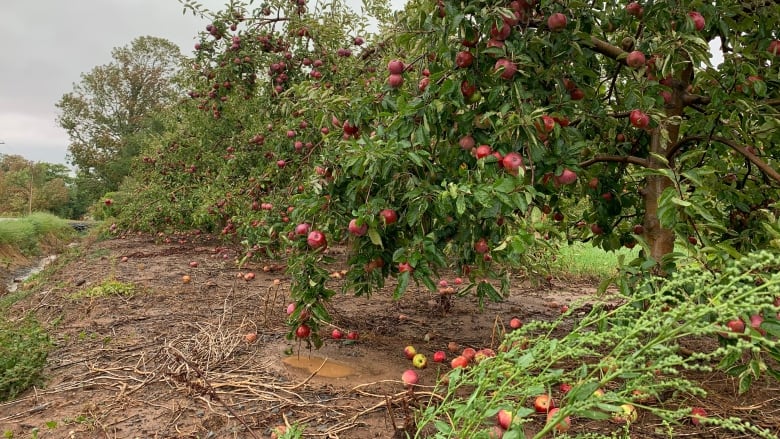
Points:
[[171, 359]]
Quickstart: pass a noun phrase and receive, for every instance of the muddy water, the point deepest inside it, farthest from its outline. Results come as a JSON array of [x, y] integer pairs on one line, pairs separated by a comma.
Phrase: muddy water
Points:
[[325, 367], [19, 276]]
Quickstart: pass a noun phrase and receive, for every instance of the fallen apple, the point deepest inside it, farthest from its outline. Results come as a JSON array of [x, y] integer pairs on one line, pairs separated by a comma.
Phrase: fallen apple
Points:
[[410, 378], [410, 352], [543, 403], [419, 361]]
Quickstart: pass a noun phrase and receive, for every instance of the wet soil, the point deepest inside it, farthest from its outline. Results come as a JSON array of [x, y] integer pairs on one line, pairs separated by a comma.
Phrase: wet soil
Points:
[[172, 359]]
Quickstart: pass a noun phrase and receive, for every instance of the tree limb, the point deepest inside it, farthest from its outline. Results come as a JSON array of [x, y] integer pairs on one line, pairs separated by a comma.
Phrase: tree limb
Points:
[[754, 159], [615, 159]]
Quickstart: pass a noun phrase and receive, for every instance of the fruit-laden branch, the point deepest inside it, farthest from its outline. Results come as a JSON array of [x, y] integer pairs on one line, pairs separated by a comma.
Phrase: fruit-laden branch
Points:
[[609, 50], [615, 159], [763, 166]]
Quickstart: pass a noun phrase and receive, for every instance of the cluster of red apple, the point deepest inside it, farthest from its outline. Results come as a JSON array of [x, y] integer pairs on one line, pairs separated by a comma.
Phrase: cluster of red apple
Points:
[[543, 404], [304, 331]]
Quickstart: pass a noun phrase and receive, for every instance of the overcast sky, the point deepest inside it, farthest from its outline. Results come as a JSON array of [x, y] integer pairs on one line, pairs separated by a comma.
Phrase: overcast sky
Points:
[[47, 44]]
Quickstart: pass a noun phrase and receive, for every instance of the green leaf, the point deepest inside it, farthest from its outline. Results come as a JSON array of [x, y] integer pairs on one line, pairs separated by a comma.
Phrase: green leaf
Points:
[[374, 236], [745, 381], [403, 284], [460, 205]]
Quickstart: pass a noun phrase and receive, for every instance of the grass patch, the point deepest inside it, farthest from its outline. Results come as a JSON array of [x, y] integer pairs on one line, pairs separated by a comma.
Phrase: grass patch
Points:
[[583, 260], [110, 287], [27, 233], [24, 348]]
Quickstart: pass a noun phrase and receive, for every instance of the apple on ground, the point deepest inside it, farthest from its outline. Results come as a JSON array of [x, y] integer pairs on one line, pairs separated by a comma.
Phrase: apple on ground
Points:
[[439, 357], [515, 323], [563, 425], [459, 362], [410, 378], [736, 325], [543, 403], [469, 353], [410, 352], [251, 337], [419, 361], [352, 335], [697, 415], [337, 334], [627, 414], [504, 418]]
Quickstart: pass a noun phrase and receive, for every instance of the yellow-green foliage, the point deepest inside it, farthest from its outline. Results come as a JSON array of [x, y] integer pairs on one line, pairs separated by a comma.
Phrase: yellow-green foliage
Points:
[[110, 287]]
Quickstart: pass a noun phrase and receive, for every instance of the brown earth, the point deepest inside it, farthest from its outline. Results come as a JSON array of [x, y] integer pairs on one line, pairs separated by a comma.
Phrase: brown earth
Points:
[[171, 359]]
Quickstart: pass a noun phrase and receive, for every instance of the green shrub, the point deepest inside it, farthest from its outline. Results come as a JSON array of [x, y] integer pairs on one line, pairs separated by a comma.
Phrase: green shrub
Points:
[[24, 347], [635, 345]]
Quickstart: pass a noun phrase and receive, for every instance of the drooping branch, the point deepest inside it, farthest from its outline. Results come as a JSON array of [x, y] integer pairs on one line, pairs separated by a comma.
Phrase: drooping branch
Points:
[[615, 159], [754, 159]]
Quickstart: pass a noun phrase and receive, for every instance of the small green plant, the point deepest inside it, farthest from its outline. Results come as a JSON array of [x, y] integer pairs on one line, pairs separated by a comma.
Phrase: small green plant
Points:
[[631, 353], [109, 287], [24, 347]]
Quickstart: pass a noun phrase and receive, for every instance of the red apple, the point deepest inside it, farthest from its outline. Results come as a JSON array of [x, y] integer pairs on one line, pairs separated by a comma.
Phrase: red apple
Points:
[[423, 84], [302, 229], [439, 357], [639, 229], [336, 334], [698, 20], [466, 143], [634, 9], [577, 94], [483, 151], [290, 309], [395, 67], [459, 362], [774, 47], [593, 183], [388, 216], [504, 418], [404, 267], [515, 323], [567, 177], [303, 331], [736, 325], [395, 81], [505, 68], [502, 33], [565, 387], [410, 378], [556, 22], [481, 246], [464, 59], [639, 119], [596, 229], [543, 403], [636, 59], [755, 322], [410, 352], [355, 229], [563, 425], [352, 335], [316, 239], [697, 414], [469, 353]]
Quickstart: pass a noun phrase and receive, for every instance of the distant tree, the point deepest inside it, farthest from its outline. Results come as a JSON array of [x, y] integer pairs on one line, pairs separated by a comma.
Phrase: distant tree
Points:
[[27, 186], [107, 110]]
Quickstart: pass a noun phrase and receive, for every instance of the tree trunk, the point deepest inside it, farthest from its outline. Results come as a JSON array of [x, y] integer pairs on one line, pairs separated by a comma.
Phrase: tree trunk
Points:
[[660, 239]]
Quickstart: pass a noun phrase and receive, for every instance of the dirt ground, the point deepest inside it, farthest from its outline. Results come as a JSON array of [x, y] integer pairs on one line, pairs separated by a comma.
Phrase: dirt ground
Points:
[[171, 359]]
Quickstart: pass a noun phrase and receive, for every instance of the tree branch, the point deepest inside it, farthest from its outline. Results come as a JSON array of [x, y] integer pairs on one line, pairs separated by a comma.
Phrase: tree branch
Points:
[[615, 159], [754, 159]]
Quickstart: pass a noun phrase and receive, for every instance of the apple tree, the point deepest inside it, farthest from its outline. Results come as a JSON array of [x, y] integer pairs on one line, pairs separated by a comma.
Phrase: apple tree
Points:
[[466, 131]]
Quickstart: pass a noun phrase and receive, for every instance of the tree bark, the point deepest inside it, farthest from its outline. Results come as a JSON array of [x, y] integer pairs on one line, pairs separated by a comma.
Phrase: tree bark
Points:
[[660, 239]]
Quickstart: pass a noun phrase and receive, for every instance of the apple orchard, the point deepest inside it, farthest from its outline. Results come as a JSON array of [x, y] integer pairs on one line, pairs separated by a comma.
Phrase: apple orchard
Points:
[[462, 133]]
